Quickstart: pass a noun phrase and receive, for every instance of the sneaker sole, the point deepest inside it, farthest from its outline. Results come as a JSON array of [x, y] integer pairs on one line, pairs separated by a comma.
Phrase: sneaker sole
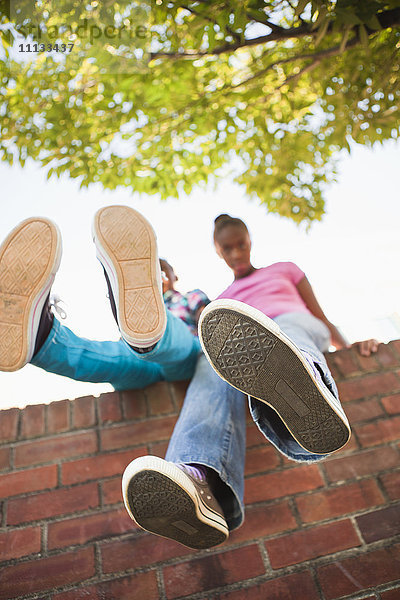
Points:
[[161, 499], [29, 259], [127, 248], [250, 352]]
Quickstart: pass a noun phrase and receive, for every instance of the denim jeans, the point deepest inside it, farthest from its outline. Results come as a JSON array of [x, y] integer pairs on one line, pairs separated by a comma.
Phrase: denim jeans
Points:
[[173, 358], [212, 423], [211, 428]]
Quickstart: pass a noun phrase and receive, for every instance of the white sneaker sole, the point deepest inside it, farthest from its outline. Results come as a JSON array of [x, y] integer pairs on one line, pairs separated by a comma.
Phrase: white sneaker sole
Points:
[[162, 499], [126, 247], [250, 352], [29, 259]]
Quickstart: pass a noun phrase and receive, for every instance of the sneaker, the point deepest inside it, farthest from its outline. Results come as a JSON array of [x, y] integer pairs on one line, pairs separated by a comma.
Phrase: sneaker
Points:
[[126, 247], [29, 259], [173, 501], [251, 353]]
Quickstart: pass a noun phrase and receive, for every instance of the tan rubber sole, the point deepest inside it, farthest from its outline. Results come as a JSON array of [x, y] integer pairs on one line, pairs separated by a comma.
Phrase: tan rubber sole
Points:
[[127, 248], [29, 259]]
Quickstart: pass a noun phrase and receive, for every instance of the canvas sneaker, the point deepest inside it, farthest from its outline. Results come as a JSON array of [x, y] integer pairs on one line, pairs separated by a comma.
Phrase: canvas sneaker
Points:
[[251, 353], [174, 501], [127, 248], [29, 259]]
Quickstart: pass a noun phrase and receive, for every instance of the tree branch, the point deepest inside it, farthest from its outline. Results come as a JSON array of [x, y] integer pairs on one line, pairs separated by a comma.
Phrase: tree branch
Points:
[[389, 18], [274, 36], [314, 56]]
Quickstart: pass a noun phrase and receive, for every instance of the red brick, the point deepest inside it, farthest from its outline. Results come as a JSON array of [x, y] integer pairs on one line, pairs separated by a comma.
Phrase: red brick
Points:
[[380, 524], [159, 449], [55, 448], [47, 573], [391, 482], [178, 391], [298, 586], [112, 492], [9, 424], [159, 399], [29, 480], [391, 594], [345, 361], [142, 586], [4, 458], [19, 542], [262, 459], [283, 483], [153, 430], [32, 421], [261, 521], [338, 501], [139, 551], [379, 432], [351, 575], [392, 404], [365, 410], [133, 404], [371, 385], [58, 416], [83, 412], [99, 466], [369, 363], [88, 528], [395, 347], [363, 463], [386, 357], [213, 571], [351, 446], [299, 546], [254, 437], [110, 408], [50, 504]]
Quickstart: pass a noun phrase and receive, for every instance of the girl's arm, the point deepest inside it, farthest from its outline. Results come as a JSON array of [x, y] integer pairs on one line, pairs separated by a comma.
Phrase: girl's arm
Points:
[[306, 292]]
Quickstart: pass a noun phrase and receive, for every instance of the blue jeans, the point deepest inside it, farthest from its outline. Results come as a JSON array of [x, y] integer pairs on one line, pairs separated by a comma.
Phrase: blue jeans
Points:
[[211, 428], [173, 358]]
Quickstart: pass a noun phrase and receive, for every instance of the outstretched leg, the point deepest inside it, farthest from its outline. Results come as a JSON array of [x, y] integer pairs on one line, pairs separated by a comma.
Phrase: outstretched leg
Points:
[[65, 353], [126, 246], [29, 259], [195, 496]]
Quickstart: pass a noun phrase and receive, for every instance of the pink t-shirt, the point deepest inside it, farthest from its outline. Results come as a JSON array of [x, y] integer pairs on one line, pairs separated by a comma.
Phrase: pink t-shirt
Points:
[[271, 289]]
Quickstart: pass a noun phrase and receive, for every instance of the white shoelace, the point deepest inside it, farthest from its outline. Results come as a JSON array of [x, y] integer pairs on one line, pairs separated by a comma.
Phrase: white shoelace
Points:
[[55, 303]]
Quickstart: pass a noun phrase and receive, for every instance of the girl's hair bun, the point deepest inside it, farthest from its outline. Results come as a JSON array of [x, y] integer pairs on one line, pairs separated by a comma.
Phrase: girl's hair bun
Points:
[[223, 220], [223, 217]]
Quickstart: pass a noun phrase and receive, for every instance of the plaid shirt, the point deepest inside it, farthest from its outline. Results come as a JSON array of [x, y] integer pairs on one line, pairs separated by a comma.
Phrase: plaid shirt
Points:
[[185, 306]]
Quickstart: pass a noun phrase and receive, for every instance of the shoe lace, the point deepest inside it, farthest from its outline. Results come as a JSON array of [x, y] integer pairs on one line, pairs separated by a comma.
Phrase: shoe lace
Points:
[[55, 303]]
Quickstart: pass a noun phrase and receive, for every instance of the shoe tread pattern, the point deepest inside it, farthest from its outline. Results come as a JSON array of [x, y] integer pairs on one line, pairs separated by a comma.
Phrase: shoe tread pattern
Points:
[[24, 264], [125, 233], [157, 503], [132, 244], [320, 430]]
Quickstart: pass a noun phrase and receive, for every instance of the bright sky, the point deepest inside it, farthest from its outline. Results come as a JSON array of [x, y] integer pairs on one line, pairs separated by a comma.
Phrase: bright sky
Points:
[[351, 258]]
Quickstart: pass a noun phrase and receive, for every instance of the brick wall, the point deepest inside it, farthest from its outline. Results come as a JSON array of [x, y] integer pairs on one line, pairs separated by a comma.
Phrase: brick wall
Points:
[[324, 531]]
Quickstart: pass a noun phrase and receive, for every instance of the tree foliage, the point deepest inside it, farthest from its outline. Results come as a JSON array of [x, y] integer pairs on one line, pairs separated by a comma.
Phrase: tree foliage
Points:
[[271, 89]]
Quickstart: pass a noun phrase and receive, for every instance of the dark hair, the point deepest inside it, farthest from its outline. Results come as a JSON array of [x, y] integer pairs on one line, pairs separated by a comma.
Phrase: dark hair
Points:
[[224, 220]]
